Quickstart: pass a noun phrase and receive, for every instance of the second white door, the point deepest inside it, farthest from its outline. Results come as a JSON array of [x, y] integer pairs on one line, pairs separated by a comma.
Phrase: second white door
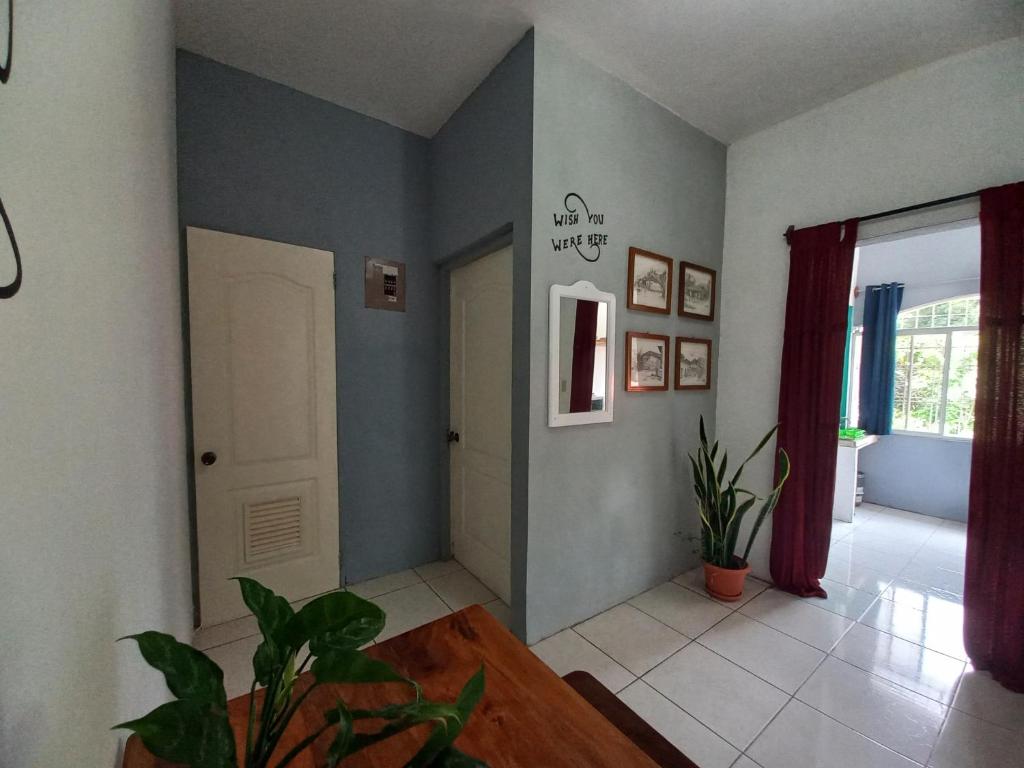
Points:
[[481, 415]]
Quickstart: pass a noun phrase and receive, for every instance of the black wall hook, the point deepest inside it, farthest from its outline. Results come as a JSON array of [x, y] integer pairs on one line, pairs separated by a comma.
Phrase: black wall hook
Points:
[[7, 291], [5, 68]]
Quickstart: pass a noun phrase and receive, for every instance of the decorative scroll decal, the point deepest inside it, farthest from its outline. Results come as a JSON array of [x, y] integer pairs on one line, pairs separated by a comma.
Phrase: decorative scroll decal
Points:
[[5, 67], [7, 291], [591, 241]]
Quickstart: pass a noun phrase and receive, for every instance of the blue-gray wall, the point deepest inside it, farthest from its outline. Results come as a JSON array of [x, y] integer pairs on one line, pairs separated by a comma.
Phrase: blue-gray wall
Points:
[[611, 504], [606, 508], [481, 164], [261, 159], [929, 475]]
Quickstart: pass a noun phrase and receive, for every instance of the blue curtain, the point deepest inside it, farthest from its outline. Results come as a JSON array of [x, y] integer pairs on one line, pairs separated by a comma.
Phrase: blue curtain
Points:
[[878, 357]]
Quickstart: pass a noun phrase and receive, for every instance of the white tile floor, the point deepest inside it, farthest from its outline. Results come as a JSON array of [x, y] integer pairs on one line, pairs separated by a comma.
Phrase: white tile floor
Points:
[[409, 598], [874, 676]]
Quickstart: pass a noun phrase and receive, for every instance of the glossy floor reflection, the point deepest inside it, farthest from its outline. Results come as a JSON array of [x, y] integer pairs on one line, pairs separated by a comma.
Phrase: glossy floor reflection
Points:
[[875, 675]]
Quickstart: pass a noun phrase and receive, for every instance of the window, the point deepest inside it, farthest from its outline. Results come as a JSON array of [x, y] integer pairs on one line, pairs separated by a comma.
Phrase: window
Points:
[[937, 368]]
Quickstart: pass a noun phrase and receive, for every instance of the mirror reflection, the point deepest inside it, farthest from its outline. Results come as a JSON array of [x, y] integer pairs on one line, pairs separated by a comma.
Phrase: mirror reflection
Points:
[[583, 345]]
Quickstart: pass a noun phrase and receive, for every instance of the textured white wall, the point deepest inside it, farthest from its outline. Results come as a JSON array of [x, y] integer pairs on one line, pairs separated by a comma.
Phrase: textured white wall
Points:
[[93, 520], [953, 126]]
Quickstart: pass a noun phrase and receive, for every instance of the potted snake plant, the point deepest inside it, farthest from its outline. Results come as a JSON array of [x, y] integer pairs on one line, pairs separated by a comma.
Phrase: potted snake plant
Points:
[[722, 505]]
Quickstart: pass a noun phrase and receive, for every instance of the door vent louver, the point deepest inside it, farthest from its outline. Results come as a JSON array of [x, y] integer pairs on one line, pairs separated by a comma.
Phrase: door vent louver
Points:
[[273, 528]]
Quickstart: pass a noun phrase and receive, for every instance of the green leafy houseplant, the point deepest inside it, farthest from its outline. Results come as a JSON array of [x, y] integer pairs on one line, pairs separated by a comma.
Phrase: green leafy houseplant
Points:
[[722, 504], [194, 729]]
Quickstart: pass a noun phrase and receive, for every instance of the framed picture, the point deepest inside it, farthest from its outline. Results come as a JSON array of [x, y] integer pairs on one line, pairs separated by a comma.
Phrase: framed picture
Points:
[[646, 362], [693, 363], [650, 282], [696, 291]]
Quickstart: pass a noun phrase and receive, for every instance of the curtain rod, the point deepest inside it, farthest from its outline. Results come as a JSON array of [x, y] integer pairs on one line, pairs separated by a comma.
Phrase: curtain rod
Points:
[[906, 209]]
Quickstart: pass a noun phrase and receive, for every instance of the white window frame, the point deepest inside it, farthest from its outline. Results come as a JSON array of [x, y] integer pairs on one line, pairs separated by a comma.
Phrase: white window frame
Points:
[[948, 331]]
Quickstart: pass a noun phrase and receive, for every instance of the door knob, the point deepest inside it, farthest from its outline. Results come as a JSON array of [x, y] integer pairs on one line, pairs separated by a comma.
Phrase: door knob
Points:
[[208, 458]]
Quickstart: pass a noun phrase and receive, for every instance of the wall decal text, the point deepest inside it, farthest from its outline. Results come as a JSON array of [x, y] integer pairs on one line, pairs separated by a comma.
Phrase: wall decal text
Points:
[[587, 243]]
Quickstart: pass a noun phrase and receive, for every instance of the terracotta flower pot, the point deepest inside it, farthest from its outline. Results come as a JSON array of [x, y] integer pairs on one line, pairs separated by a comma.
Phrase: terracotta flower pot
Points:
[[726, 583]]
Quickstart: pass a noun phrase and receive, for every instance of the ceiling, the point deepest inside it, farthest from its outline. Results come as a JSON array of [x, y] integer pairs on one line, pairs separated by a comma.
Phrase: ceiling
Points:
[[946, 256], [729, 67]]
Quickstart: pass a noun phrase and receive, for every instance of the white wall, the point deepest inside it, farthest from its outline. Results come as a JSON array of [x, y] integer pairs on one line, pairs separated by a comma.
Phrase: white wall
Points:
[[93, 526], [954, 126]]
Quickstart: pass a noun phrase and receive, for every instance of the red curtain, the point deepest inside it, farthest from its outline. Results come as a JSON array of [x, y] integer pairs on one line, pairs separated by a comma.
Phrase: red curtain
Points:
[[581, 392], [994, 582], [820, 275]]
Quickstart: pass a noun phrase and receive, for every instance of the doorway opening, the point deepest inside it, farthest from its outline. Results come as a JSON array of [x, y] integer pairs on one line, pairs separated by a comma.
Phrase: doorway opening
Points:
[[903, 469]]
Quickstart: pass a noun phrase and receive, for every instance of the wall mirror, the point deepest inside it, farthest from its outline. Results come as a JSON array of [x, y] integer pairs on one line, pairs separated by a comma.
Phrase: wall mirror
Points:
[[582, 355]]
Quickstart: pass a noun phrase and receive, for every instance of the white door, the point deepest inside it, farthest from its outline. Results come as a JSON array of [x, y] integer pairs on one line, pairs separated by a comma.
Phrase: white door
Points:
[[481, 414], [261, 320]]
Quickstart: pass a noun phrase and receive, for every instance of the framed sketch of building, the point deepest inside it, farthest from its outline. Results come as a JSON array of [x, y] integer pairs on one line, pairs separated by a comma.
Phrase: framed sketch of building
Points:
[[647, 361], [650, 282], [696, 291], [693, 363]]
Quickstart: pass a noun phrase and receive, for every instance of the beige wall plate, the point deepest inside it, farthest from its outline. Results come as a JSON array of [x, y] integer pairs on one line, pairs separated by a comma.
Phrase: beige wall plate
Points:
[[385, 284]]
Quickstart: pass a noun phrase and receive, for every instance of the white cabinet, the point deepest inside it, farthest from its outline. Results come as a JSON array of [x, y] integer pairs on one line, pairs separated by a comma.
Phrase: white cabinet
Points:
[[846, 476]]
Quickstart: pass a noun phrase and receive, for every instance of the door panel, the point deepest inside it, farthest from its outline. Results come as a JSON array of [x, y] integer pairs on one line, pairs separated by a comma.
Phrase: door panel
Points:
[[272, 396], [261, 317], [481, 412]]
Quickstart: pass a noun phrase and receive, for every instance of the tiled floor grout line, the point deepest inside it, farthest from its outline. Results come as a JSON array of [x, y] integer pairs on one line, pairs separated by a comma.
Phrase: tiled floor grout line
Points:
[[794, 637], [951, 707], [227, 642], [788, 701], [794, 696], [743, 751], [945, 719], [691, 716], [677, 706], [443, 601], [736, 664], [605, 653], [903, 687], [690, 639], [696, 640], [912, 642], [256, 632], [828, 656]]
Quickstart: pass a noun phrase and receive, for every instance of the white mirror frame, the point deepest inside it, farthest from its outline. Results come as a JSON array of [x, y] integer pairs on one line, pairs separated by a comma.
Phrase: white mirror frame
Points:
[[579, 290]]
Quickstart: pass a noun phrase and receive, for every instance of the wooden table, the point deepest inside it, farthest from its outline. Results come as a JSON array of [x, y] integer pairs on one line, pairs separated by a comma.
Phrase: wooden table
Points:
[[528, 716]]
